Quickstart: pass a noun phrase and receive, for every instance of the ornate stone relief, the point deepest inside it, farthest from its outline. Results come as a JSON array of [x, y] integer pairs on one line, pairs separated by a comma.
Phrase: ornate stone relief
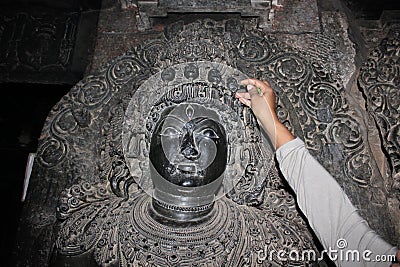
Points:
[[379, 81], [264, 10], [33, 44], [123, 232], [102, 209]]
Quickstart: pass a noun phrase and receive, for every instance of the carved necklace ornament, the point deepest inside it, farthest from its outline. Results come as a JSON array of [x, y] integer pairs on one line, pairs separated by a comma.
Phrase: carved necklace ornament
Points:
[[170, 102], [130, 233]]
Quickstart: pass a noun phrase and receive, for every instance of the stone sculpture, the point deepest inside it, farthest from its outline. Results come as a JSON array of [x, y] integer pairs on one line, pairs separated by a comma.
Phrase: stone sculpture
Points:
[[99, 137], [189, 146]]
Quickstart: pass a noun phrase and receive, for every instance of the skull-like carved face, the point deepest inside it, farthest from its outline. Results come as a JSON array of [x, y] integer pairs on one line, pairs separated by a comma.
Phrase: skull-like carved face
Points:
[[188, 146]]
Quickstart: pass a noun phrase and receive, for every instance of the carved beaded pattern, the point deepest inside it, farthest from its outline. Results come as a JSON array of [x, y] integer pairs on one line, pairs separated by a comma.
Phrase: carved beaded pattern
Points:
[[184, 209]]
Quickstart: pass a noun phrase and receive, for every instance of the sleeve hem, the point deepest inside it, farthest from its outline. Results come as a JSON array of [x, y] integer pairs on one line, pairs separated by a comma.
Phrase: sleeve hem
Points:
[[285, 149]]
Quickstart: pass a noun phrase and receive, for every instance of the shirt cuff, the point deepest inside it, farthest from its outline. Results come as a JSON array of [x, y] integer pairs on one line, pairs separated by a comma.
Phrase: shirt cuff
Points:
[[285, 149]]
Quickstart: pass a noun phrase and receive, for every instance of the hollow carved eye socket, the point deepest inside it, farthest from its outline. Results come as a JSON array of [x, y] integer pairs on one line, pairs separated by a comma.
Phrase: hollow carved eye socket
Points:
[[171, 132], [209, 133]]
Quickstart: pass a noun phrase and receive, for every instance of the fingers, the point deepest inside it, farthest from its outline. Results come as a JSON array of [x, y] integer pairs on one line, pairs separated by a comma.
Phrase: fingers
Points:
[[244, 95], [263, 85], [254, 88], [244, 101]]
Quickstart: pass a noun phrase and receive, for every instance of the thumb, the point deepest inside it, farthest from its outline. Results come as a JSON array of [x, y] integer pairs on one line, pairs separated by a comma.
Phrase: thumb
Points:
[[253, 90]]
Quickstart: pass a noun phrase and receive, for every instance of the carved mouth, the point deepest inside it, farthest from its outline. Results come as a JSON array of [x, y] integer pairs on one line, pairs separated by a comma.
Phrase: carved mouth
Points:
[[188, 167]]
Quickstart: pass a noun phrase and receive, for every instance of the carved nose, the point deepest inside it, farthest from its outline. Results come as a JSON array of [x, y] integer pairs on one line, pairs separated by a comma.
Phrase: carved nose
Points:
[[190, 153], [188, 147]]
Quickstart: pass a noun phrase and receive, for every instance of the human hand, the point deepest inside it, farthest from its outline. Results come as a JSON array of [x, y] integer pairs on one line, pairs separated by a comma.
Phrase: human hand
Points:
[[253, 97], [260, 97]]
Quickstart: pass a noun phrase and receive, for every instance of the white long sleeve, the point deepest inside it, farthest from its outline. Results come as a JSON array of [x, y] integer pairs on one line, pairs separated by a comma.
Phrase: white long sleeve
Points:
[[328, 209]]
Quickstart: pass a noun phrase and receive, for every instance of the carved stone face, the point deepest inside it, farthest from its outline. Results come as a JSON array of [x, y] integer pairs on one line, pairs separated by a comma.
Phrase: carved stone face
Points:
[[188, 146], [191, 71]]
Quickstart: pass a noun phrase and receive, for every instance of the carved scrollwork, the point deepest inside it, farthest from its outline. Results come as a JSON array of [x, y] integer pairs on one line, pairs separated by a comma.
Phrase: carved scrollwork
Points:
[[76, 111], [358, 168], [253, 49], [379, 81], [125, 69], [154, 52], [345, 131], [64, 123], [291, 68], [52, 152], [94, 92], [323, 101], [79, 196]]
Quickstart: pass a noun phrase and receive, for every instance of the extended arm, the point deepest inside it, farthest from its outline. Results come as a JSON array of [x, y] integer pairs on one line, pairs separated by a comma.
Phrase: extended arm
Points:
[[330, 213], [327, 208]]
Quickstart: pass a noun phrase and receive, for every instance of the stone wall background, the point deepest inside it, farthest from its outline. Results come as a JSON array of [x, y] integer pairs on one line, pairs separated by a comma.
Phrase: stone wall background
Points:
[[46, 43]]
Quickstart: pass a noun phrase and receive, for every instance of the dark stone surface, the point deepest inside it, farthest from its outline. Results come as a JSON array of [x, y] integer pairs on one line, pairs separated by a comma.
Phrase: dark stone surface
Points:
[[23, 110], [243, 7], [371, 9], [31, 45], [47, 44], [11, 193], [296, 17]]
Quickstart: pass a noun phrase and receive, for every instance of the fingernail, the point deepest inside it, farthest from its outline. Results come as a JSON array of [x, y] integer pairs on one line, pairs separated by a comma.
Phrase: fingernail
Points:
[[250, 86]]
